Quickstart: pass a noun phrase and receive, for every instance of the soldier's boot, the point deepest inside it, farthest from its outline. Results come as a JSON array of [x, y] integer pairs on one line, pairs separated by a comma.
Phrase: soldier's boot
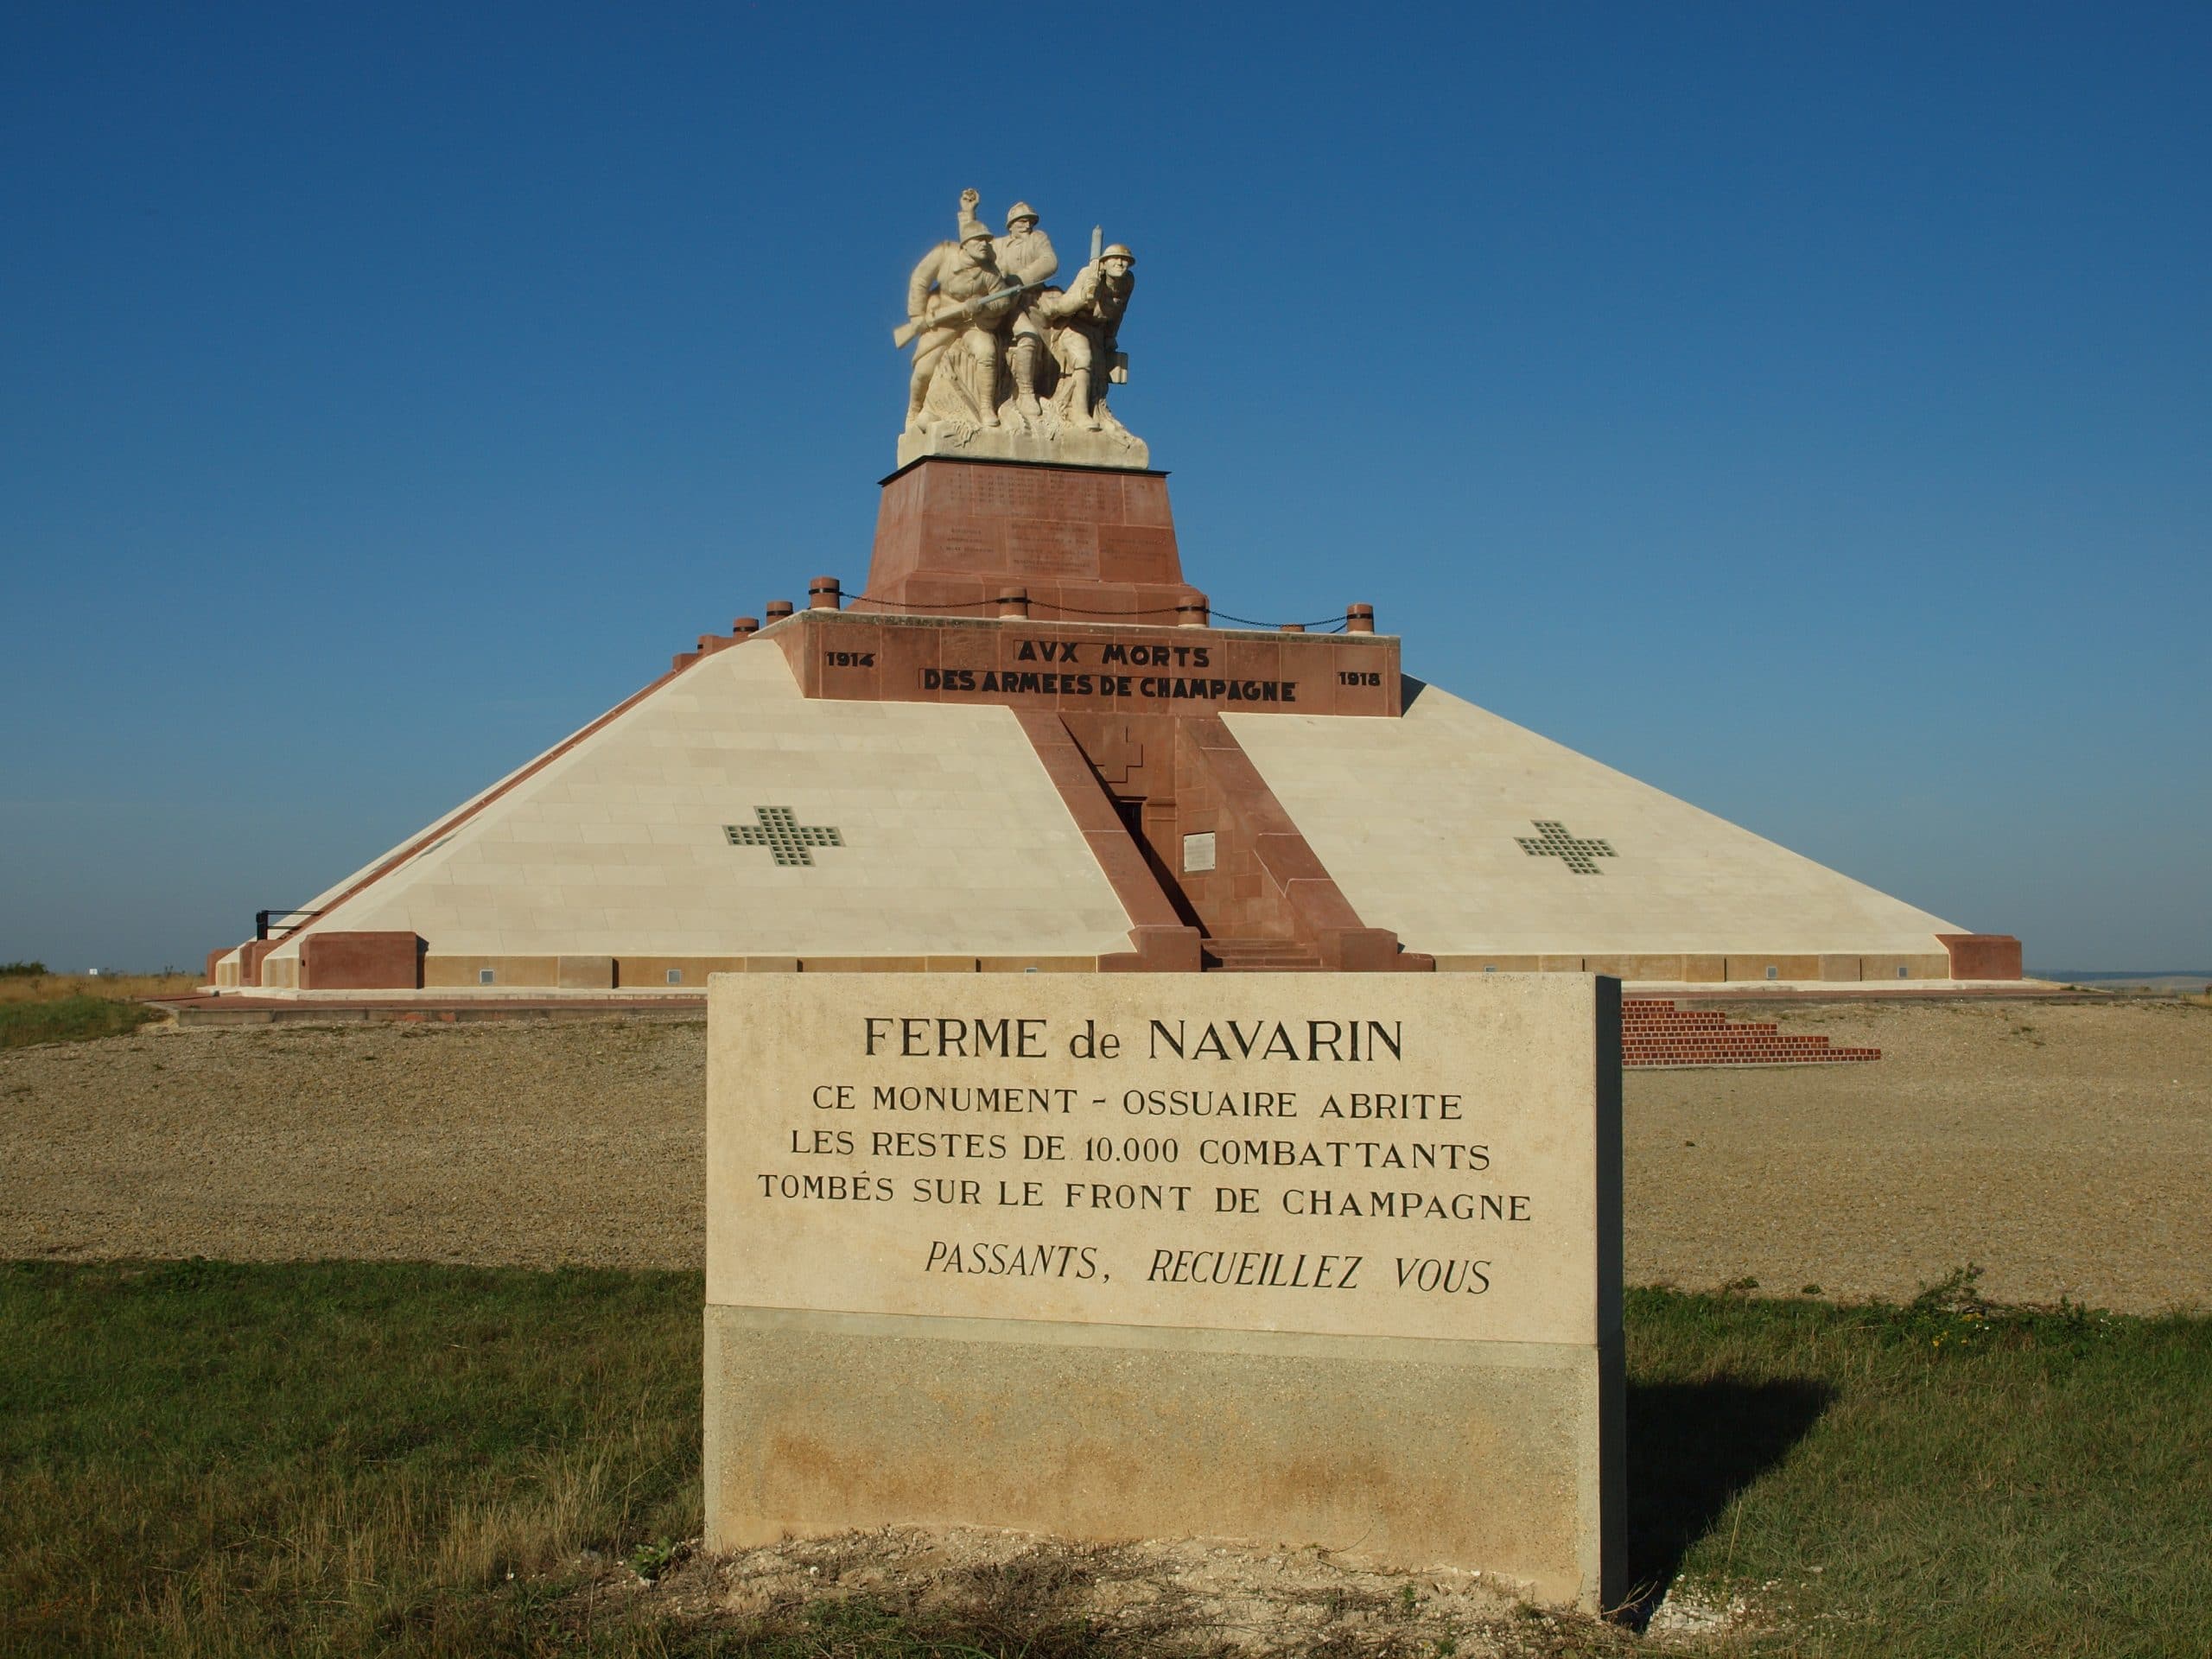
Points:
[[1022, 359], [1085, 415]]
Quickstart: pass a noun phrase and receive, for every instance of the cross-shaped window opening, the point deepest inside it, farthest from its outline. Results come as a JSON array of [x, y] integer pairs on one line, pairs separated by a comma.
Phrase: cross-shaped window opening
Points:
[[1552, 841], [786, 839]]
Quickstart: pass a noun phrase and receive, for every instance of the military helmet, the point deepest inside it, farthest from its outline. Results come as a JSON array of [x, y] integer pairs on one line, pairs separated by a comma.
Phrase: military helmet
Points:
[[1020, 210], [1118, 251], [972, 228]]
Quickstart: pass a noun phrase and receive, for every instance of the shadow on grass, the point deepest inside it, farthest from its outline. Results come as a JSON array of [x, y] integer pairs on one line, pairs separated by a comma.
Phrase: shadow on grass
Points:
[[1692, 1446]]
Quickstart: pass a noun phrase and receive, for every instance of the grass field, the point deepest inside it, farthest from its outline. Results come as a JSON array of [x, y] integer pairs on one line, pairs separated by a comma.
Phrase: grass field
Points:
[[69, 1020], [1947, 1477], [73, 1008], [198, 1458], [106, 988], [342, 1459]]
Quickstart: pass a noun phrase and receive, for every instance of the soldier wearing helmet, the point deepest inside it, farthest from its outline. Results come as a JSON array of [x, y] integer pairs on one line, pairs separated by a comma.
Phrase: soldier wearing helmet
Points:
[[951, 276], [1087, 320], [1024, 254]]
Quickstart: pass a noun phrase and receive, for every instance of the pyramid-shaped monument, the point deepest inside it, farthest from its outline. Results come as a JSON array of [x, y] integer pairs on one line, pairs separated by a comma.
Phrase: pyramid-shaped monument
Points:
[[1026, 746]]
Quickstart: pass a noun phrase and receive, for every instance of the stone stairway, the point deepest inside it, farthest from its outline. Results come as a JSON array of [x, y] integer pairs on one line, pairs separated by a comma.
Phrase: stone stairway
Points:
[[1259, 957], [1655, 1033]]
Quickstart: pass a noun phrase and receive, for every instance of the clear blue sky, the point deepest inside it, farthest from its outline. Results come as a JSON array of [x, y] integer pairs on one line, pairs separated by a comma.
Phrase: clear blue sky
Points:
[[1806, 409]]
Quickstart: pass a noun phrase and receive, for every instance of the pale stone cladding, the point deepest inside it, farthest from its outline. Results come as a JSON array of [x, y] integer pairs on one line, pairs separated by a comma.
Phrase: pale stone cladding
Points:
[[953, 848], [637, 856], [1423, 821]]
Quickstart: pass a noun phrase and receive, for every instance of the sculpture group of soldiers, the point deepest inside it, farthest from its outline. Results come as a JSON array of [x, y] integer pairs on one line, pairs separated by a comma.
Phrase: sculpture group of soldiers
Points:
[[983, 316]]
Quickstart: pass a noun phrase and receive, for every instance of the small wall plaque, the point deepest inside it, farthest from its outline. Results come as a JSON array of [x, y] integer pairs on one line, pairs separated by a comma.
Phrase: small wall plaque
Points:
[[1197, 854]]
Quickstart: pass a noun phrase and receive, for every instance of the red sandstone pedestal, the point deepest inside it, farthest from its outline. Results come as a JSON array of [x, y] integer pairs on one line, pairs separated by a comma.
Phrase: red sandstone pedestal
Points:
[[1107, 658], [1086, 543]]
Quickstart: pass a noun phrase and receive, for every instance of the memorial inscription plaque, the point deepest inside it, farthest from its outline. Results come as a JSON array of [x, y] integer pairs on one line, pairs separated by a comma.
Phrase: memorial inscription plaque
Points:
[[1324, 1259]]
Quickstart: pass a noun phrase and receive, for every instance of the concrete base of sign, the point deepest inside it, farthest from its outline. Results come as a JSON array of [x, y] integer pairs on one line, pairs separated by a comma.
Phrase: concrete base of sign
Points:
[[1395, 1451]]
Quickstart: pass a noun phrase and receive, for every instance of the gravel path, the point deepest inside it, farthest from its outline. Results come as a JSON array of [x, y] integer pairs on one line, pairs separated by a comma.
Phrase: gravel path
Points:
[[2067, 1149], [2064, 1148], [531, 1144]]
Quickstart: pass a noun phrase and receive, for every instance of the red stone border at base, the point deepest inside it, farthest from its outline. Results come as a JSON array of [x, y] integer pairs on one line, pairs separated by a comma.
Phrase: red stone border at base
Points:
[[1982, 956]]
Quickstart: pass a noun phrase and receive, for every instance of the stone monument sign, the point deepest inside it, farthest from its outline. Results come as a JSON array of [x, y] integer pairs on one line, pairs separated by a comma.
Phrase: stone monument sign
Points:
[[1319, 1259]]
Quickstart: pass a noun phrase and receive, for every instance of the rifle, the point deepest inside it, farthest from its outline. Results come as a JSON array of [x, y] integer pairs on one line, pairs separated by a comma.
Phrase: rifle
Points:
[[903, 334]]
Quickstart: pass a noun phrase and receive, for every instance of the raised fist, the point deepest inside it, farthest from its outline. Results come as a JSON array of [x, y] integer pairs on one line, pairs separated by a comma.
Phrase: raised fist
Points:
[[969, 199]]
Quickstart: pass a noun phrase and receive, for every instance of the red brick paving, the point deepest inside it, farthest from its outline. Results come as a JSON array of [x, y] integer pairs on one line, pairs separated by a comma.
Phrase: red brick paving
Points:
[[1656, 1033]]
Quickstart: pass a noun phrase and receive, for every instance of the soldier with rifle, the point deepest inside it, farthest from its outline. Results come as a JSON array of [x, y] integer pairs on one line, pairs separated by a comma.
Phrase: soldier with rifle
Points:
[[1088, 322], [958, 293]]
